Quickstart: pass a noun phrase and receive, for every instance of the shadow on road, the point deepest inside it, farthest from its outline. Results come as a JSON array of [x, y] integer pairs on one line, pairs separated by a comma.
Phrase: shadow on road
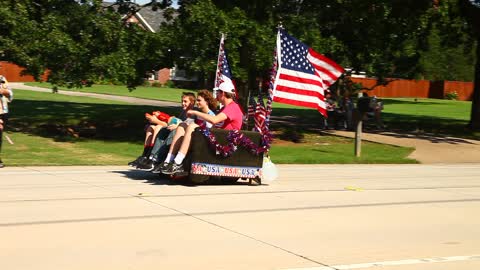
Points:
[[161, 179]]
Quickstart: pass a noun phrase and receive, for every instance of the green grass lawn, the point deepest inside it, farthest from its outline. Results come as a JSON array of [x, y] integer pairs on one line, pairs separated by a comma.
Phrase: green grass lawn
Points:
[[160, 93], [429, 108], [30, 150], [445, 117], [41, 123], [336, 150]]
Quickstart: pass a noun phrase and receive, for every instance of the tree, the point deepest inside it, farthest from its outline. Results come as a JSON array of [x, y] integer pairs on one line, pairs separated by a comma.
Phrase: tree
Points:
[[471, 10], [459, 22], [380, 38], [451, 59], [79, 42]]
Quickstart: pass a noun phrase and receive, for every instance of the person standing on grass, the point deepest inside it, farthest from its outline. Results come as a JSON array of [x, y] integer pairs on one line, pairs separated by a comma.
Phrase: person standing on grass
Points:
[[229, 117], [206, 103], [155, 127], [6, 96]]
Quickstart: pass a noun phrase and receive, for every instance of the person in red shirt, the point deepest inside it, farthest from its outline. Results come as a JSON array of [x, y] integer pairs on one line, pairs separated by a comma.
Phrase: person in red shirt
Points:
[[230, 116]]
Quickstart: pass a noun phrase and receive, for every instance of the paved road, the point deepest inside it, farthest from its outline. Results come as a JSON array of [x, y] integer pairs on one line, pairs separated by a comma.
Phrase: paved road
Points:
[[313, 217]]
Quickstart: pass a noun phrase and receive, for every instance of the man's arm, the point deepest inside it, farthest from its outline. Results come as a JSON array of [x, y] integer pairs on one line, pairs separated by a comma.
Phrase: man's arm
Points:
[[6, 92], [214, 119]]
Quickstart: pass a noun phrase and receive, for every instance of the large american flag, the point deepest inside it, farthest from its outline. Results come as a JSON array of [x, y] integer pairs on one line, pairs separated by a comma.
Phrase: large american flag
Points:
[[303, 74], [223, 74]]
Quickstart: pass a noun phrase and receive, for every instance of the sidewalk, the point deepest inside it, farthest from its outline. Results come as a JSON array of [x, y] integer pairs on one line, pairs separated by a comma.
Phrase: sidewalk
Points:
[[429, 149], [138, 101]]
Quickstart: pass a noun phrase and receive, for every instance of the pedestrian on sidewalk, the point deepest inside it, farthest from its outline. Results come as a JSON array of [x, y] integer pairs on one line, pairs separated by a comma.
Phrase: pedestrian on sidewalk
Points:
[[6, 96]]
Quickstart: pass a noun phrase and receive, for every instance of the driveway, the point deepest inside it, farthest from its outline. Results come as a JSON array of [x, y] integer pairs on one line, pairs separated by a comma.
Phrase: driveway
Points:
[[429, 149]]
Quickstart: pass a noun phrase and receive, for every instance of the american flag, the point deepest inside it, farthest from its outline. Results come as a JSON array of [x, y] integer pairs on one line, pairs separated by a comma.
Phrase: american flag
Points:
[[251, 107], [223, 74], [303, 74], [260, 115]]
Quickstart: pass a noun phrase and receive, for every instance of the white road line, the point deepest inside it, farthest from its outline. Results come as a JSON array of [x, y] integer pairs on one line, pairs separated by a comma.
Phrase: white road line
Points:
[[392, 263]]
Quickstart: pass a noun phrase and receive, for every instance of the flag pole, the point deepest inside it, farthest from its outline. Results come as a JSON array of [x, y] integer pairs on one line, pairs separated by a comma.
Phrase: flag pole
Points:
[[273, 77], [217, 72], [248, 102]]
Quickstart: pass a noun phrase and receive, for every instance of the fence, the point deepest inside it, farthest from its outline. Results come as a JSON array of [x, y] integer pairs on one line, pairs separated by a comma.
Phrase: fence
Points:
[[395, 88], [13, 73], [418, 88]]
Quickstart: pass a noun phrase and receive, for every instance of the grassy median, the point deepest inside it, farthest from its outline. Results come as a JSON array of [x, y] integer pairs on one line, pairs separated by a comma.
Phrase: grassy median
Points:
[[53, 129]]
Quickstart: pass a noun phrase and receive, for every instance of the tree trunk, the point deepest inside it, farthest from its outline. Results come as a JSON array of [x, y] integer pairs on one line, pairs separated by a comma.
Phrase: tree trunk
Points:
[[471, 12], [475, 114], [244, 87]]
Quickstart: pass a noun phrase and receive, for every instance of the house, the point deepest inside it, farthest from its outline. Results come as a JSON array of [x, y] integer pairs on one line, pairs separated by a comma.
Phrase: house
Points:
[[151, 20]]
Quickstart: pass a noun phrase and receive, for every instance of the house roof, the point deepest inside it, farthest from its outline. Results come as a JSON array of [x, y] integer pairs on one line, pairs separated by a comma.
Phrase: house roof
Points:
[[149, 19], [153, 18]]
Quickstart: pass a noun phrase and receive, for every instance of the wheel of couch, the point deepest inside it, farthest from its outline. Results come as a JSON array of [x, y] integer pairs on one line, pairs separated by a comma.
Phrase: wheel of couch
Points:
[[257, 181], [229, 180], [198, 178]]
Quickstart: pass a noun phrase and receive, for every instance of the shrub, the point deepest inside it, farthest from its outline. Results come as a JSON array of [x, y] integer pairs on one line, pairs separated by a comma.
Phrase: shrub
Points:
[[451, 95], [169, 84], [156, 84]]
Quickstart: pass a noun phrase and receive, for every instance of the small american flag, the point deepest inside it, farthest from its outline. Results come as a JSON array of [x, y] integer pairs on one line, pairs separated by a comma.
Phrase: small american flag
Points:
[[260, 115], [303, 74], [251, 107], [223, 74]]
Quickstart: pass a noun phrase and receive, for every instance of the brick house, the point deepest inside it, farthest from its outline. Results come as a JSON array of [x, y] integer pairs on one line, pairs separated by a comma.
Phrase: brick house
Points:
[[152, 21]]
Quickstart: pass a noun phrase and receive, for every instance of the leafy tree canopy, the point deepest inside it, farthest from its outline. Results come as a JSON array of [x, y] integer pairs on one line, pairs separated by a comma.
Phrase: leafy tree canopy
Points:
[[77, 41]]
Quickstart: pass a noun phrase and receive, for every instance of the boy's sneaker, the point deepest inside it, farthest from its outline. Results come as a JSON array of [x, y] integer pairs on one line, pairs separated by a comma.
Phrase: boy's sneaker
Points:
[[178, 169], [160, 167], [174, 168], [136, 162], [1, 164], [145, 165]]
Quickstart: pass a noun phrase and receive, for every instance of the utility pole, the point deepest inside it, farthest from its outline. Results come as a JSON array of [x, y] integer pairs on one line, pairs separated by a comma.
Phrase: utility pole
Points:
[[358, 135], [362, 106]]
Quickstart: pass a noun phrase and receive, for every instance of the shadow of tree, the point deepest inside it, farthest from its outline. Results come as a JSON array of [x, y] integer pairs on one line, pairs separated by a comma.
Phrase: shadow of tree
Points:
[[71, 121], [428, 137], [62, 120], [160, 179]]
